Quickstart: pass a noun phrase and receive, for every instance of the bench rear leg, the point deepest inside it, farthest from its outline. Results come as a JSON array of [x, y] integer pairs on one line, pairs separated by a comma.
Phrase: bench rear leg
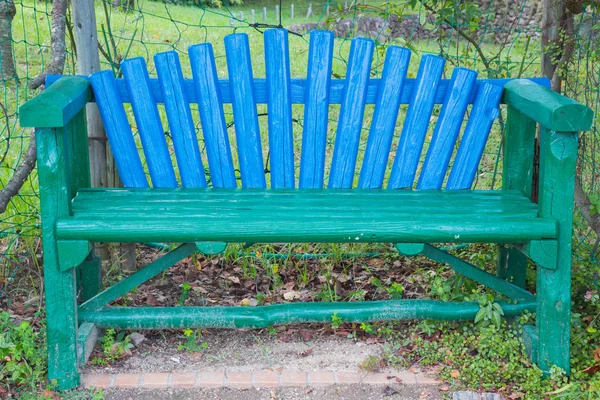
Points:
[[512, 265], [553, 320]]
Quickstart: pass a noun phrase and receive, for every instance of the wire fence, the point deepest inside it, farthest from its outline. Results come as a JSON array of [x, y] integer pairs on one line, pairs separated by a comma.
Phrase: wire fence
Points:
[[498, 38]]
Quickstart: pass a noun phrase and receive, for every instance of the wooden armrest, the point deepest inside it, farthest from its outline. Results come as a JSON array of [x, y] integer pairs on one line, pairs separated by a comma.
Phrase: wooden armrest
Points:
[[548, 108], [57, 105]]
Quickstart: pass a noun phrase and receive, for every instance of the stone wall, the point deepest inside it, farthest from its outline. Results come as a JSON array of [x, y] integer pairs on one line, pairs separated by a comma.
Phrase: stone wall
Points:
[[500, 21]]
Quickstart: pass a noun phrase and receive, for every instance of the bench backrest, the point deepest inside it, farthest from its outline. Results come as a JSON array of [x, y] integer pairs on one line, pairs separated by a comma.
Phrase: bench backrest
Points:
[[279, 91]]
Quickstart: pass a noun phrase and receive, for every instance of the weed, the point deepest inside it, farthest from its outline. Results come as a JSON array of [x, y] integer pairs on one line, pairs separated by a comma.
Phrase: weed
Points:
[[192, 342], [114, 347], [336, 321]]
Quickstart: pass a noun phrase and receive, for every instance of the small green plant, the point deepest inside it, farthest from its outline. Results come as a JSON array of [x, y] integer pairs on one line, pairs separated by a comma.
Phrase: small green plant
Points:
[[114, 347], [185, 292], [367, 328], [336, 321], [271, 330], [490, 312], [395, 291], [192, 342], [22, 353]]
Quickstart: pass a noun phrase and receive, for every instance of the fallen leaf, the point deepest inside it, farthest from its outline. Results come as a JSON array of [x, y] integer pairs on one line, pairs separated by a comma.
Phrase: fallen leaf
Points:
[[597, 354], [455, 374], [234, 279], [290, 285], [445, 388], [413, 370], [292, 295], [249, 302], [306, 352], [592, 370], [306, 335]]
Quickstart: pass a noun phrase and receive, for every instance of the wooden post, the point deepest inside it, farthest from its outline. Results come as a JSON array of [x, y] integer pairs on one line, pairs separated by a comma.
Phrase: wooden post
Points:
[[327, 9], [241, 15], [291, 11], [103, 172], [277, 13], [252, 16], [264, 14]]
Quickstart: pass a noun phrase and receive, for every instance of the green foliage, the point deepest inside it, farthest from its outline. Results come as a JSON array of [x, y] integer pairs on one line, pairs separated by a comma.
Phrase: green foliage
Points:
[[22, 353], [395, 291], [336, 321], [192, 342], [489, 313], [114, 347]]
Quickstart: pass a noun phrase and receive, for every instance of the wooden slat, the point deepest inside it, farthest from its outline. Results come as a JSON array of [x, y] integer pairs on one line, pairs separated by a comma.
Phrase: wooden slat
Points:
[[447, 129], [384, 117], [210, 106], [279, 93], [180, 120], [148, 123], [416, 122], [351, 115], [118, 130], [300, 86], [247, 130], [316, 109], [485, 111]]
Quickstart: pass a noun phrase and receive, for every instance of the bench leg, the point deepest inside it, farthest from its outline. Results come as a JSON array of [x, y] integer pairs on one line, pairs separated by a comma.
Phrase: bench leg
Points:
[[89, 277], [511, 265], [554, 312], [61, 320]]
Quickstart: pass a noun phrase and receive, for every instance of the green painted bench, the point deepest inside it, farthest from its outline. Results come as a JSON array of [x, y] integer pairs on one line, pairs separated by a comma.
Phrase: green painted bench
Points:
[[196, 200]]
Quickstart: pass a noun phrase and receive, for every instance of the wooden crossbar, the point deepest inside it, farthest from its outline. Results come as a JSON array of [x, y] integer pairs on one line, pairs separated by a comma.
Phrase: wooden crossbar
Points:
[[134, 280], [470, 271], [290, 313]]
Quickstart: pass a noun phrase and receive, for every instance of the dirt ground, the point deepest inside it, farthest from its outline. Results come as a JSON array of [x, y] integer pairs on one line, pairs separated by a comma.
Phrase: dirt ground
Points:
[[349, 392]]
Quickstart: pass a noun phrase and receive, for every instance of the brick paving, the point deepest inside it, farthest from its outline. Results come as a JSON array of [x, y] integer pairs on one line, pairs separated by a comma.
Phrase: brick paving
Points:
[[246, 380]]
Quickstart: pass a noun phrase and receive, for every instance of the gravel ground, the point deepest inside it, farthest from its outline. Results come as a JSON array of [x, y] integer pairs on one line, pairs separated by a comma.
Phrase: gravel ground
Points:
[[349, 392]]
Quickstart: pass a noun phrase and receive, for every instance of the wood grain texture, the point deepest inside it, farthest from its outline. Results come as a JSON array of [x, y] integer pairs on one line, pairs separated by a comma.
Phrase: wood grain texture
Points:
[[316, 109], [548, 108], [385, 116], [484, 112], [245, 116], [416, 123], [57, 105], [210, 105], [264, 316], [148, 123], [181, 123], [300, 86], [349, 126], [118, 130], [446, 130], [279, 92]]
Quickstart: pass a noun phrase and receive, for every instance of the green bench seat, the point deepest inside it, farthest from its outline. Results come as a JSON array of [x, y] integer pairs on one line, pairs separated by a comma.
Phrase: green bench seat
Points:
[[303, 215]]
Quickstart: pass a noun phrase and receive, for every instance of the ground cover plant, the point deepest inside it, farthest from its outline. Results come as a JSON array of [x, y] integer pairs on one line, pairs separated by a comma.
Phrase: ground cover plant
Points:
[[486, 354]]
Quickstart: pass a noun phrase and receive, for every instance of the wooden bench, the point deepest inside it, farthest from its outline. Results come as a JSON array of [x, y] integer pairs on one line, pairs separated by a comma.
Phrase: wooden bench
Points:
[[201, 206]]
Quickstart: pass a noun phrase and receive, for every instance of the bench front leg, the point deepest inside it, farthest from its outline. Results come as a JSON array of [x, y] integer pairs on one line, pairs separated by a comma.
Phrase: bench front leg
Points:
[[58, 115], [560, 119]]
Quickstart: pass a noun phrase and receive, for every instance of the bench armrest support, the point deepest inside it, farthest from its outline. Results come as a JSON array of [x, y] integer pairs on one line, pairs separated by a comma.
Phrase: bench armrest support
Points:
[[550, 109], [57, 105]]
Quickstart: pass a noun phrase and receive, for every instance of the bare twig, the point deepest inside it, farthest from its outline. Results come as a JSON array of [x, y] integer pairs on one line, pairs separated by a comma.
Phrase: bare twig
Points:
[[57, 38]]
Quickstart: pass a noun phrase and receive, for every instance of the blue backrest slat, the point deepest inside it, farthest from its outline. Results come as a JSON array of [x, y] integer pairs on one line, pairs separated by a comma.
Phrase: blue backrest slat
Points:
[[352, 111], [210, 106], [416, 122], [485, 111], [247, 131], [181, 123], [316, 109], [447, 129], [148, 123], [118, 130], [279, 97], [385, 115]]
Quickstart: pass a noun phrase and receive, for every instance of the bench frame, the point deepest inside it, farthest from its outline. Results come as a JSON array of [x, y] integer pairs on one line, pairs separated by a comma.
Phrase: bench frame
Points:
[[72, 270]]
